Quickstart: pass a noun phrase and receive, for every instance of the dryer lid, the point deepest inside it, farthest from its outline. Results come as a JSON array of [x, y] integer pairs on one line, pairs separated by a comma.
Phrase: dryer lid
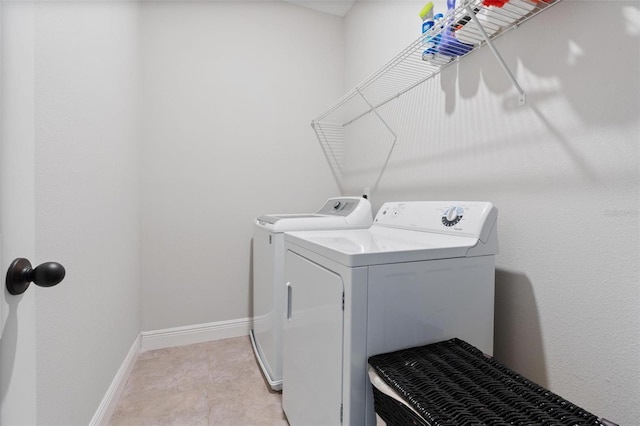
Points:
[[379, 245], [409, 232]]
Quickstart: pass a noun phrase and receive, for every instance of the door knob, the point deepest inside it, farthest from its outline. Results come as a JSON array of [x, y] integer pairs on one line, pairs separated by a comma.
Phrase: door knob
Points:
[[21, 274]]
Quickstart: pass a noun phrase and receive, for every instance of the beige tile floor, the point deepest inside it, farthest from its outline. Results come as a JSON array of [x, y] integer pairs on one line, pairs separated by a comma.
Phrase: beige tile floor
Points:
[[210, 384]]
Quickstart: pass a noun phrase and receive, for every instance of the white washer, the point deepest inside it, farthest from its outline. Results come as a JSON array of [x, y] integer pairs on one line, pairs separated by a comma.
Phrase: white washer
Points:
[[423, 272], [268, 271]]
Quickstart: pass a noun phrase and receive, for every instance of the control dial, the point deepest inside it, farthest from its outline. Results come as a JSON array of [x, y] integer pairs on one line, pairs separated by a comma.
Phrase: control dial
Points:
[[452, 216]]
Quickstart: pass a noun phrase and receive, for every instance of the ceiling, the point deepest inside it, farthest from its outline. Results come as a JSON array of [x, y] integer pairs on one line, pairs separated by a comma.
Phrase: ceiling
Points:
[[334, 7]]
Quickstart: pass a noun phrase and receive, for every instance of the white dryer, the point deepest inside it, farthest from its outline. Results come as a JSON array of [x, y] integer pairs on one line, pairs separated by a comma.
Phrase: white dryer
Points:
[[423, 272], [268, 271]]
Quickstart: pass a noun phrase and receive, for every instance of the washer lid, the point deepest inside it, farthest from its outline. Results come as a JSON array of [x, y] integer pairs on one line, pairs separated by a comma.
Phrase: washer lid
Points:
[[380, 245], [271, 219], [285, 223], [336, 213]]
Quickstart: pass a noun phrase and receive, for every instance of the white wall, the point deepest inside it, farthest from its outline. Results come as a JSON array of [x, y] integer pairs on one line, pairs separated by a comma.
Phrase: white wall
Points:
[[225, 137], [17, 210], [229, 90], [225, 134], [563, 171], [87, 210]]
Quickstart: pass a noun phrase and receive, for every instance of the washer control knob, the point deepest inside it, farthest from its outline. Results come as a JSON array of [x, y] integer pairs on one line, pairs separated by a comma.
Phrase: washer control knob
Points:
[[337, 205], [452, 216]]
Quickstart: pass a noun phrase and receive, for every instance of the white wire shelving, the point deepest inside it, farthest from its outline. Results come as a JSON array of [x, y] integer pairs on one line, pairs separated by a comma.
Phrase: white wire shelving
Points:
[[463, 30]]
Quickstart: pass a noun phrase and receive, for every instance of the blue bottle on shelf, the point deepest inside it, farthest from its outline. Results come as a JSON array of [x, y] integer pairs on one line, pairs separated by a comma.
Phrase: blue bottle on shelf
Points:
[[449, 45], [433, 54]]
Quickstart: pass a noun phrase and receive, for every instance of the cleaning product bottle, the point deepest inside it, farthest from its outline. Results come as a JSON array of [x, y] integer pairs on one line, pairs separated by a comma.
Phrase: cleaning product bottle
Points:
[[449, 45], [432, 54], [518, 8], [426, 14], [429, 42], [501, 12]]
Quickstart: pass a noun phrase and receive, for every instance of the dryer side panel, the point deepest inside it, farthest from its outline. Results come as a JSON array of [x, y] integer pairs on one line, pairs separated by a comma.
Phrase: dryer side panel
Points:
[[312, 351], [268, 296], [416, 303]]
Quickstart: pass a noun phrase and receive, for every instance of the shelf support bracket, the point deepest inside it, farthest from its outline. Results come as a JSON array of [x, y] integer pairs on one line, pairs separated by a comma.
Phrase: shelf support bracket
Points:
[[522, 95], [328, 153], [393, 145]]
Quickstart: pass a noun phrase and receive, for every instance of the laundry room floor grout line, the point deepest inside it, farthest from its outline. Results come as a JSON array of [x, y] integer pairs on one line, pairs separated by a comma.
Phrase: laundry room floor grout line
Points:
[[213, 383]]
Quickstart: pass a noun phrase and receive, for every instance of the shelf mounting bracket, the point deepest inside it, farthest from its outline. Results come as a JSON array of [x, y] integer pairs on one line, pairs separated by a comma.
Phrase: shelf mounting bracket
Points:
[[522, 95], [329, 153], [393, 144]]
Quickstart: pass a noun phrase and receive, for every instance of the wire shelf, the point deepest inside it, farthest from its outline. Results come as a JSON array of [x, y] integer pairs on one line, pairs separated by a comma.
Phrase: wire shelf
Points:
[[463, 30]]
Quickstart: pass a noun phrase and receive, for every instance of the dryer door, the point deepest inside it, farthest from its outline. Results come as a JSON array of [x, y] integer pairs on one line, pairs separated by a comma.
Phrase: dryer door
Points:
[[312, 351]]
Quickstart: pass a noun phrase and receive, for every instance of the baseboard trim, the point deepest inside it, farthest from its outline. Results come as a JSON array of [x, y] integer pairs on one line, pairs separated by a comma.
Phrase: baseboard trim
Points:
[[198, 333], [108, 404], [158, 339]]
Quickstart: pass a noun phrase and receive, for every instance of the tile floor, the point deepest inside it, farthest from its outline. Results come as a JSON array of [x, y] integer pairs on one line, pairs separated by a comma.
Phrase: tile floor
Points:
[[210, 384]]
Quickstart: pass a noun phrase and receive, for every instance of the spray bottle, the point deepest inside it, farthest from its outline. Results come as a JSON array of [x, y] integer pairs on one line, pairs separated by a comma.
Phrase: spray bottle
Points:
[[430, 43], [426, 14], [432, 54]]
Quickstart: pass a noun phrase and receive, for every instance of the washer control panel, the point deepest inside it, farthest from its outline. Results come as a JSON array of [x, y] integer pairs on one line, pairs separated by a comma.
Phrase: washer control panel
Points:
[[341, 206], [464, 218]]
